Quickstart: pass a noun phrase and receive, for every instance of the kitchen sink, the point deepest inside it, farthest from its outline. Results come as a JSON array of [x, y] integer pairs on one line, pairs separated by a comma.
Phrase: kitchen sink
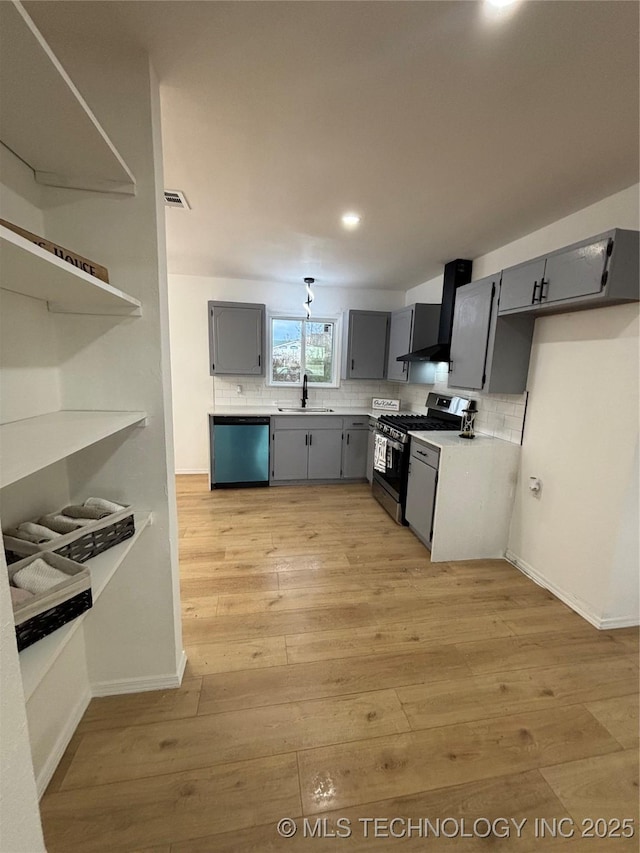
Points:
[[310, 409]]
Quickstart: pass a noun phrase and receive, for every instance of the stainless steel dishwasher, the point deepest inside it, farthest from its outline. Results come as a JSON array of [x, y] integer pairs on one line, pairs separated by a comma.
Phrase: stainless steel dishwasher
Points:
[[239, 451]]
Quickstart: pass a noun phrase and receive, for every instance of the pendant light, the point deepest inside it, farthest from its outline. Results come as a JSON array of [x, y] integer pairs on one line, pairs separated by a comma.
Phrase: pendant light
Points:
[[307, 304]]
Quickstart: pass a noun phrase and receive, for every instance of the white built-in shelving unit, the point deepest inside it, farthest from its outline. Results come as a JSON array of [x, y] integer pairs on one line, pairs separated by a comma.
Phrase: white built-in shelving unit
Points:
[[45, 120], [83, 363], [32, 271], [27, 446], [36, 660]]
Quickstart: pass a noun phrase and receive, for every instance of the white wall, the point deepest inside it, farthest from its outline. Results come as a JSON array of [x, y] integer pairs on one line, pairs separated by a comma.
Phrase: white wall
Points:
[[29, 380], [20, 829], [574, 537], [195, 392]]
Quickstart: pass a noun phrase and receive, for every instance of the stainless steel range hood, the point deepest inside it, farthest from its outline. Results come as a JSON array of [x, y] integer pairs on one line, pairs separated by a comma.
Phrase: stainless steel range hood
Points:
[[456, 273]]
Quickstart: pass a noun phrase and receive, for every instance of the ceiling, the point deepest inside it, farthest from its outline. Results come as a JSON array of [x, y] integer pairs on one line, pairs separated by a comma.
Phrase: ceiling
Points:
[[450, 130]]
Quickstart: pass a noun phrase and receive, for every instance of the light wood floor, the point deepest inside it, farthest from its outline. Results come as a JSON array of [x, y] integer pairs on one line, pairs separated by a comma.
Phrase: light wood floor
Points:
[[335, 672]]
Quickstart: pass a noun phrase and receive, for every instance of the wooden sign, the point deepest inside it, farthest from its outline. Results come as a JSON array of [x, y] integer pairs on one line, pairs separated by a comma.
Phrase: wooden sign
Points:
[[70, 257], [385, 405]]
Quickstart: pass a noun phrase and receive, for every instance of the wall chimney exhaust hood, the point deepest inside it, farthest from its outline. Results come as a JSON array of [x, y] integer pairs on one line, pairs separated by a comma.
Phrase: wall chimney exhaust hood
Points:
[[456, 273]]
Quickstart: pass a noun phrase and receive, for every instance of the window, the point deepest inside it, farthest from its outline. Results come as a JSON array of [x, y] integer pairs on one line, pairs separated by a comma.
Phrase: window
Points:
[[303, 346]]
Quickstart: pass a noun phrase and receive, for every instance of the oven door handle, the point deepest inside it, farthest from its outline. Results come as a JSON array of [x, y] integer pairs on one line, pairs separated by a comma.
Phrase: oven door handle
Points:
[[396, 445]]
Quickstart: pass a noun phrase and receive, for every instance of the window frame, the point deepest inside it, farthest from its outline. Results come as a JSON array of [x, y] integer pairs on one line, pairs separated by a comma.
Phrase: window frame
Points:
[[336, 321]]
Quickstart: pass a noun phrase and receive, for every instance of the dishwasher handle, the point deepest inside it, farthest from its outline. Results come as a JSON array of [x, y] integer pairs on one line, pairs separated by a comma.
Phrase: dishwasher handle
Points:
[[240, 420]]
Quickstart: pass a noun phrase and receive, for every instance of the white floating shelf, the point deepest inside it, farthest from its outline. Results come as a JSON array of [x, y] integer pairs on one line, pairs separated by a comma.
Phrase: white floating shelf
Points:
[[36, 660], [31, 444], [45, 119], [104, 566], [32, 271]]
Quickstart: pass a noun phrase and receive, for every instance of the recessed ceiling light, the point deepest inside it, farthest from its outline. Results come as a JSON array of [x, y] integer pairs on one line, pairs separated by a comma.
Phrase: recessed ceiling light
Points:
[[351, 220], [500, 4]]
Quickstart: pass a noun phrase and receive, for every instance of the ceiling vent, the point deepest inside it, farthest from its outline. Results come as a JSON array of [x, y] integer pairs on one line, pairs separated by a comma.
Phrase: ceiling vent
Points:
[[176, 198]]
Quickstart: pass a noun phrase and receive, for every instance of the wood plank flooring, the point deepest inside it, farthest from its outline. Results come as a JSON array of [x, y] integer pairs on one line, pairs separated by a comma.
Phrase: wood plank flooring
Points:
[[335, 676]]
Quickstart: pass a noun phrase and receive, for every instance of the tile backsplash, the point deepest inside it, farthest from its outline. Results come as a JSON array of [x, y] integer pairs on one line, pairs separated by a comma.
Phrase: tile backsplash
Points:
[[356, 393], [499, 415]]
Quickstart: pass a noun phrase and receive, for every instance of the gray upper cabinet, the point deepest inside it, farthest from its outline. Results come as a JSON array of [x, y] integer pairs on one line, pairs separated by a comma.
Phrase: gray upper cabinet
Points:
[[576, 272], [488, 352], [399, 344], [597, 272], [520, 285], [365, 352], [412, 328], [470, 335], [236, 338]]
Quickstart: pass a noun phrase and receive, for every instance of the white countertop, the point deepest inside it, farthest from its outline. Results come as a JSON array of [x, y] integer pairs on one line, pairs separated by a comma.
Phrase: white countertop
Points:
[[452, 439]]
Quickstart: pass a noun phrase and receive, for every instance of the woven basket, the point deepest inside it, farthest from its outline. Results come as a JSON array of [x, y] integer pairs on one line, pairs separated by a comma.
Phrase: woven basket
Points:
[[80, 545], [50, 610]]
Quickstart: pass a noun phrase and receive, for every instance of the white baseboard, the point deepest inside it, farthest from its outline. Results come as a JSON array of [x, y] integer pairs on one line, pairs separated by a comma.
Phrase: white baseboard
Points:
[[62, 742], [576, 604], [141, 685], [192, 471]]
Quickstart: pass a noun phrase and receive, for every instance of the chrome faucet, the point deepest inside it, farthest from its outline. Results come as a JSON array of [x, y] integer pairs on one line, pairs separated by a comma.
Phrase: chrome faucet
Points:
[[305, 391]]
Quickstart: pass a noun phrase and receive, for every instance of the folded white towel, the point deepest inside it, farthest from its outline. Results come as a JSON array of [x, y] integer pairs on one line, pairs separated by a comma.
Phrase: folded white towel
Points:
[[45, 533], [92, 512], [38, 576], [19, 596], [59, 523], [101, 503], [21, 534], [80, 522], [380, 454]]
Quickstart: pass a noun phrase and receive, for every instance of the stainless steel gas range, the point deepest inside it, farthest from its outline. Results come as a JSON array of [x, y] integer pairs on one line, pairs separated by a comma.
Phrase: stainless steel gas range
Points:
[[391, 466]]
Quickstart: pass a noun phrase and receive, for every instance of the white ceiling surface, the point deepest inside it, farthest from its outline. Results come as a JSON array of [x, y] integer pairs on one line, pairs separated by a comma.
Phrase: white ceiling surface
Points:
[[451, 132]]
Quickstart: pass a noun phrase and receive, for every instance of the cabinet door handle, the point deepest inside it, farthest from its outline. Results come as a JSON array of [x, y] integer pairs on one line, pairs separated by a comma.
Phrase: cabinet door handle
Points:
[[347, 438], [450, 367], [543, 292], [310, 439], [535, 290], [259, 361], [353, 364], [306, 440]]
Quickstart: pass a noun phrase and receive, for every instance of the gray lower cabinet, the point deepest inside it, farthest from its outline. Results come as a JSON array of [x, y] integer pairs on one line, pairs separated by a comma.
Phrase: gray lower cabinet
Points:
[[236, 338], [318, 447], [370, 448], [421, 492], [325, 450], [354, 454], [289, 454], [306, 447], [597, 272], [488, 352], [365, 350]]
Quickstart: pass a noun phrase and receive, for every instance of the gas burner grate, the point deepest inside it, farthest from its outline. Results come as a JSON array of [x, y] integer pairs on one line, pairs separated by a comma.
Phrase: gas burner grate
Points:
[[405, 423]]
